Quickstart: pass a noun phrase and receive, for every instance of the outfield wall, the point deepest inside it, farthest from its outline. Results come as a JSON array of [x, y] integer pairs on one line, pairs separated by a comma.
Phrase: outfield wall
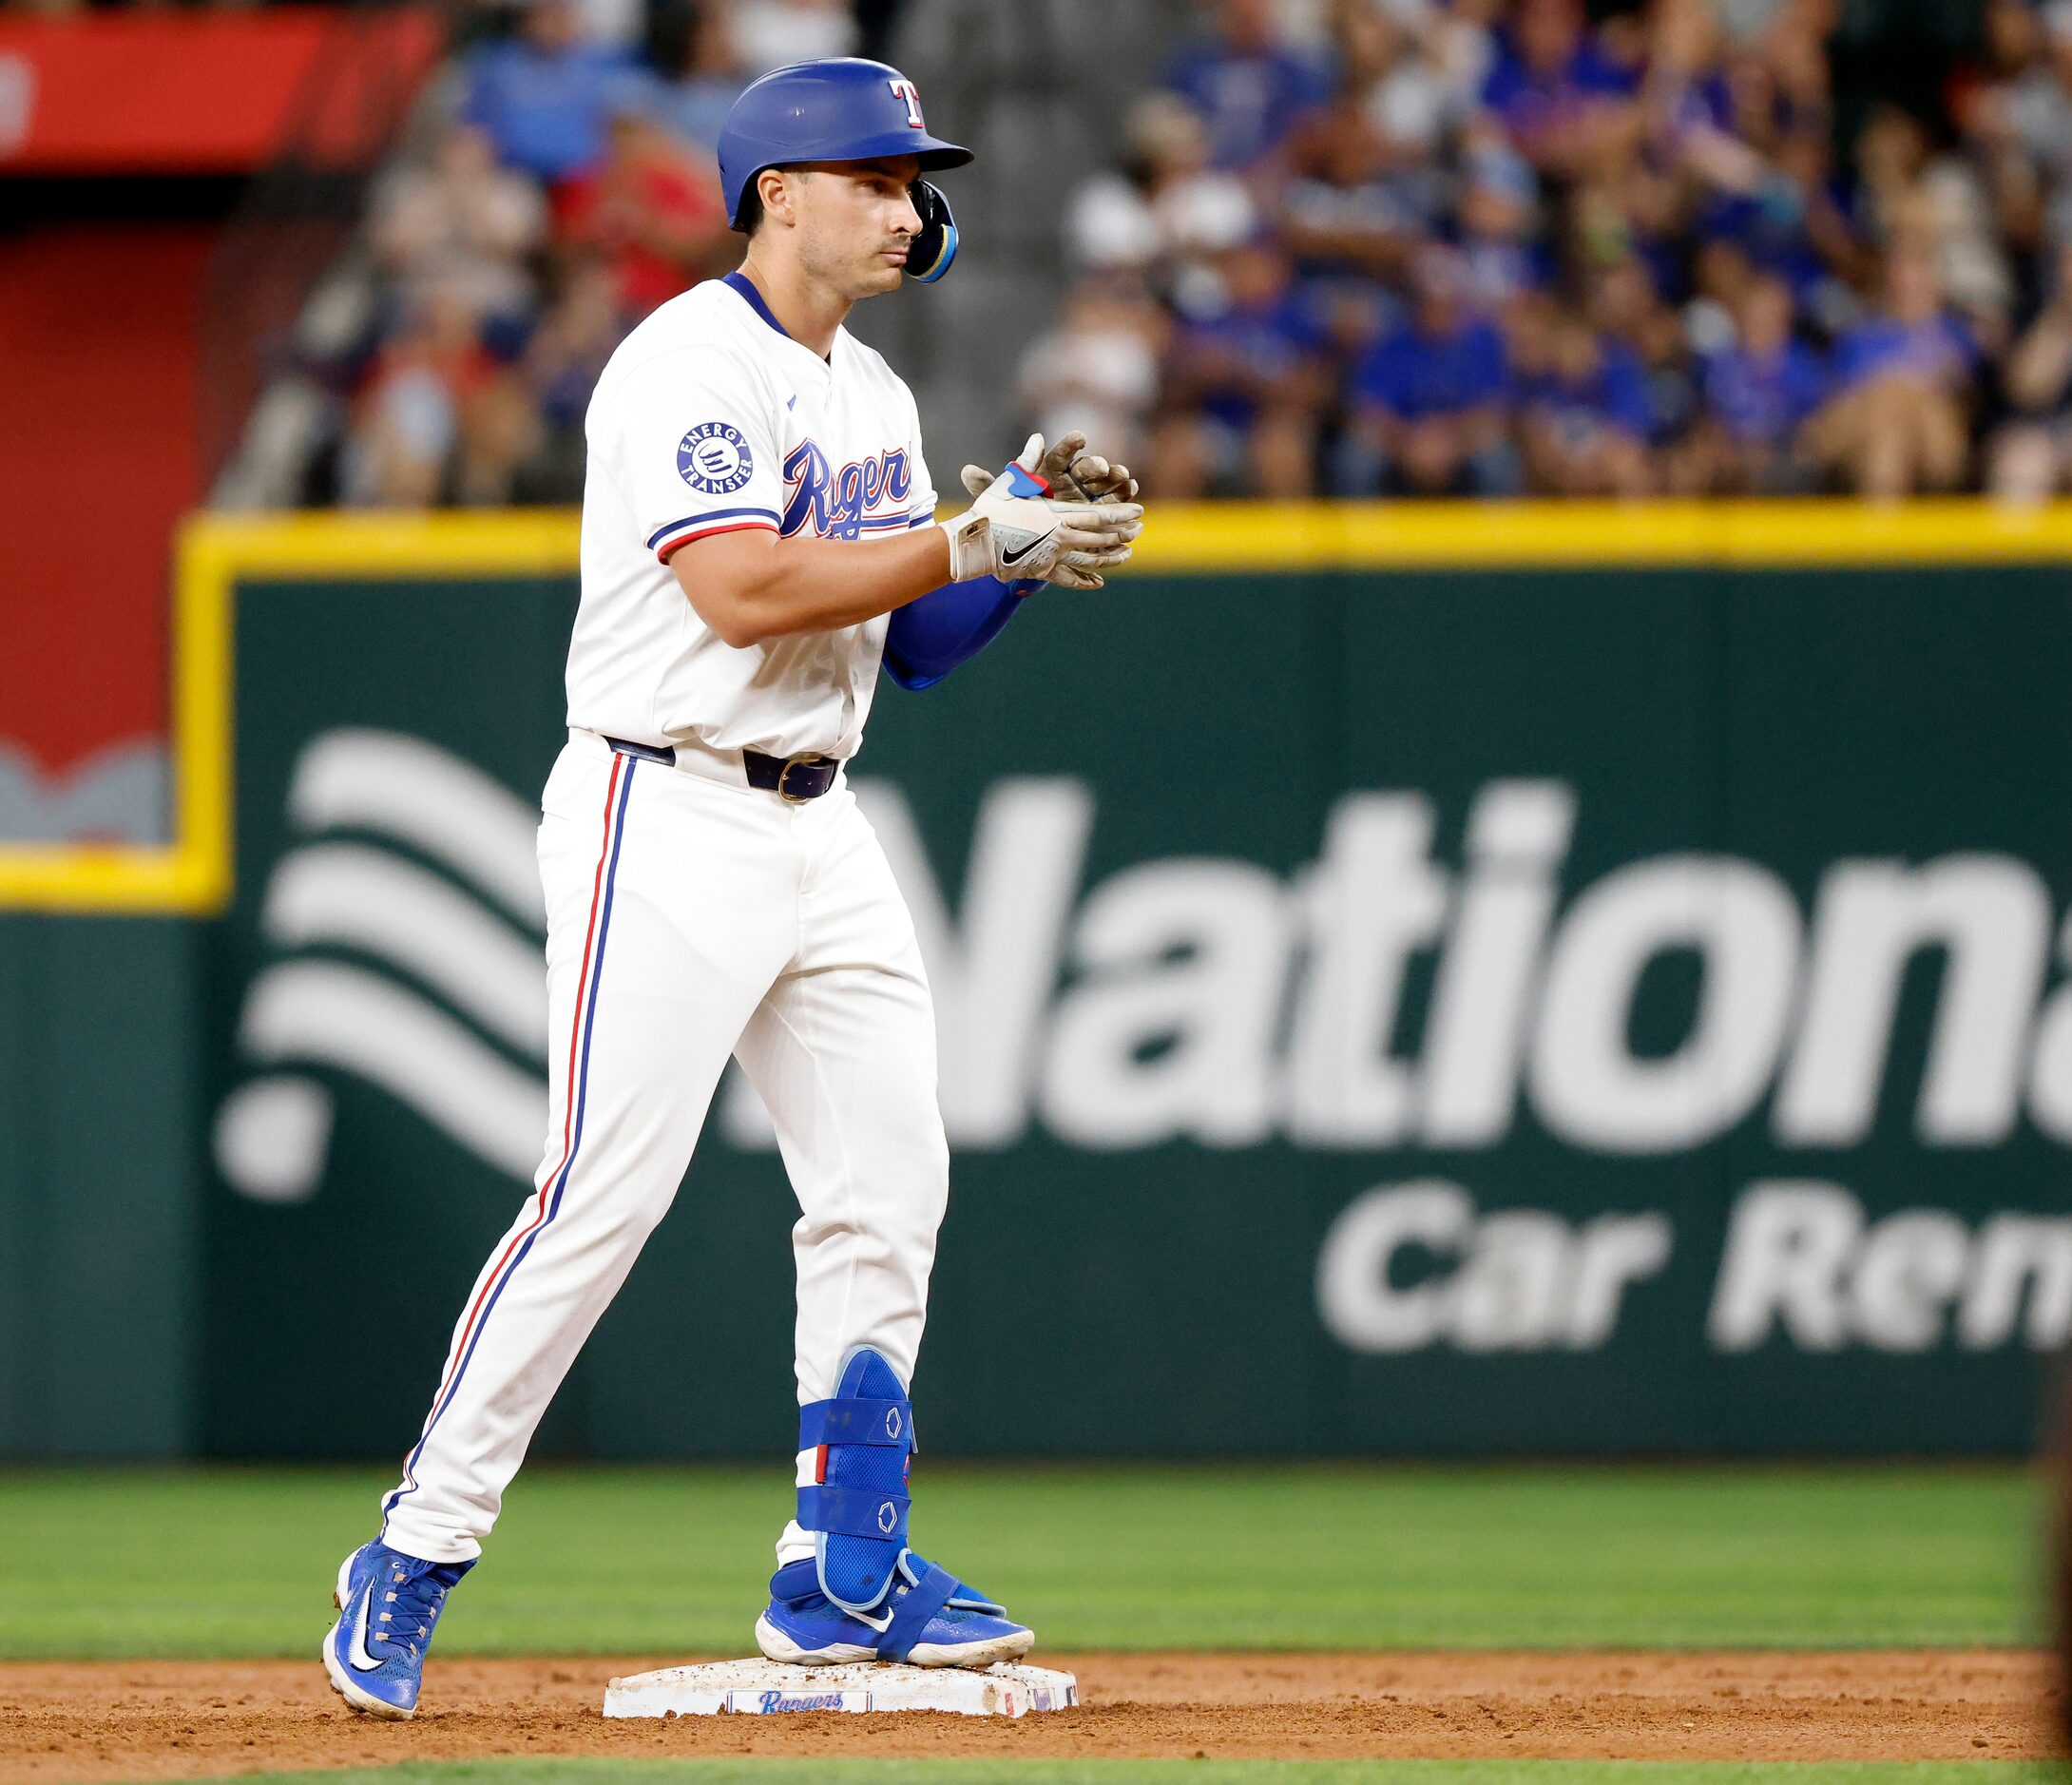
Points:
[[1411, 981], [100, 1186]]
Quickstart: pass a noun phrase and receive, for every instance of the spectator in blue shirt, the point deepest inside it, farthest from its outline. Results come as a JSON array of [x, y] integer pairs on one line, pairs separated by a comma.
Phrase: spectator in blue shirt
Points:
[[1497, 216], [1431, 400], [1758, 394], [1898, 423], [544, 96], [1244, 384], [1551, 86], [1586, 415], [1769, 225], [701, 75], [1626, 304], [1246, 84], [1349, 212]]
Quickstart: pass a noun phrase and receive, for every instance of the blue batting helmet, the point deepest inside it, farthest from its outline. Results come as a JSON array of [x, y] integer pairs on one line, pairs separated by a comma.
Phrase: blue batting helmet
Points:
[[840, 108]]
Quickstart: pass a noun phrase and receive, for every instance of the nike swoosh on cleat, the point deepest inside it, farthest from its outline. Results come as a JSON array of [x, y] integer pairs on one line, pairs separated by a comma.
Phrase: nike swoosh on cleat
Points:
[[879, 1624], [356, 1650]]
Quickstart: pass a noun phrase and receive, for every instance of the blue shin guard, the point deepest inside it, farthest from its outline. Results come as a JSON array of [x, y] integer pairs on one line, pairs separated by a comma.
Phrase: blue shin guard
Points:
[[887, 1600], [857, 1506]]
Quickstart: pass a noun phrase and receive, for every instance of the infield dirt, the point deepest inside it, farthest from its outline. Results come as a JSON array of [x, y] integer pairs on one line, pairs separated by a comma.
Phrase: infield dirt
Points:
[[108, 1720]]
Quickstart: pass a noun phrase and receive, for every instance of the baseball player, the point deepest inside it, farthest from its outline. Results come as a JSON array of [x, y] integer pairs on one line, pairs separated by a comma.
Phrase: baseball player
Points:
[[758, 536]]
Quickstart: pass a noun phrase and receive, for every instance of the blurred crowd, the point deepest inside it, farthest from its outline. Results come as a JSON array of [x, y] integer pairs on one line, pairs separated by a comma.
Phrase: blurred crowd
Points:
[[1473, 248], [568, 188], [1351, 247]]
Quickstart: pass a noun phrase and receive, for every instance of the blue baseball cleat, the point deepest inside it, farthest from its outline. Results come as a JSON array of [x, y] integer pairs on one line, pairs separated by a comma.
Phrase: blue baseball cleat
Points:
[[928, 1621], [388, 1604]]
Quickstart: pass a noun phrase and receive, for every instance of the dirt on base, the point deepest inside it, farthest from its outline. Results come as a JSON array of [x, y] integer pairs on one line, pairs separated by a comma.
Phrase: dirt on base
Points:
[[108, 1721]]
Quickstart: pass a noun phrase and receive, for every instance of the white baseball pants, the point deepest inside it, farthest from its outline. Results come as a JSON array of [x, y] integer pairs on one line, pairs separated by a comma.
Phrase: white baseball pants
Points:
[[690, 918]]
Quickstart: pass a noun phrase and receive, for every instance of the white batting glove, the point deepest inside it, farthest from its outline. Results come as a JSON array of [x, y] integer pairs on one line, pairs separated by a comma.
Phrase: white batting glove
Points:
[[1017, 530], [1074, 475]]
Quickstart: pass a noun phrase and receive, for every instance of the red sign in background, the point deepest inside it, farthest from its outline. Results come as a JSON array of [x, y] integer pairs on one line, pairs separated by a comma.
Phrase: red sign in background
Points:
[[194, 92], [101, 331], [97, 462]]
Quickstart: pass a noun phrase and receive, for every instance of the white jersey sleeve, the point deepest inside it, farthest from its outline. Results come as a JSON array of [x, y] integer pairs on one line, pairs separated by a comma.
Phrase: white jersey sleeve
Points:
[[692, 443], [921, 505]]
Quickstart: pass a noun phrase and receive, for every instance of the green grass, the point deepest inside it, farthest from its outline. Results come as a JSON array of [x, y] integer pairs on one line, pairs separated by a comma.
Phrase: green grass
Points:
[[673, 1562], [1193, 1772]]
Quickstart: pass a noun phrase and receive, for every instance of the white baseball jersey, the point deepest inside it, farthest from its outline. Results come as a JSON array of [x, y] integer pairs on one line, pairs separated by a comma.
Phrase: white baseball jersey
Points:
[[709, 417]]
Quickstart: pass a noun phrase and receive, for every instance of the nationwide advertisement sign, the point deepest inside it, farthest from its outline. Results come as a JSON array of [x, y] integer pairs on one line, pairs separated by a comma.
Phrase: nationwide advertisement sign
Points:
[[1518, 1002]]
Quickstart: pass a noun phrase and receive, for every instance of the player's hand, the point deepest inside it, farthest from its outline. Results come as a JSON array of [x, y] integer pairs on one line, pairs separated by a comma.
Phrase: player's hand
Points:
[[1074, 474], [1016, 530]]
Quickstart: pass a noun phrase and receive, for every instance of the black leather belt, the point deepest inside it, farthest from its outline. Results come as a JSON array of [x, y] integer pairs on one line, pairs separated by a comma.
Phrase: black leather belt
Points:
[[789, 778]]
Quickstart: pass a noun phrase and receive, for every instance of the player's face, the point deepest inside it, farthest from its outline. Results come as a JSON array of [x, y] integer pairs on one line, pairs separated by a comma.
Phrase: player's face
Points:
[[856, 224]]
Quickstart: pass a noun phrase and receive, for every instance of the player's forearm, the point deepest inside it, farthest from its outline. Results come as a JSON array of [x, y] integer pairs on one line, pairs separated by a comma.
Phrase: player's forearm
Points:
[[758, 587], [947, 626]]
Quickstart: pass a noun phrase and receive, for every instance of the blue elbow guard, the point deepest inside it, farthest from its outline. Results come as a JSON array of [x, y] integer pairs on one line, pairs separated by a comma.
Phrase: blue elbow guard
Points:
[[857, 1505], [929, 638]]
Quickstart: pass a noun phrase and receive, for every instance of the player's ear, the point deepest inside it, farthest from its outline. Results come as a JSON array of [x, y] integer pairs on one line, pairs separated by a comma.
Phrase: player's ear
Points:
[[774, 187]]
